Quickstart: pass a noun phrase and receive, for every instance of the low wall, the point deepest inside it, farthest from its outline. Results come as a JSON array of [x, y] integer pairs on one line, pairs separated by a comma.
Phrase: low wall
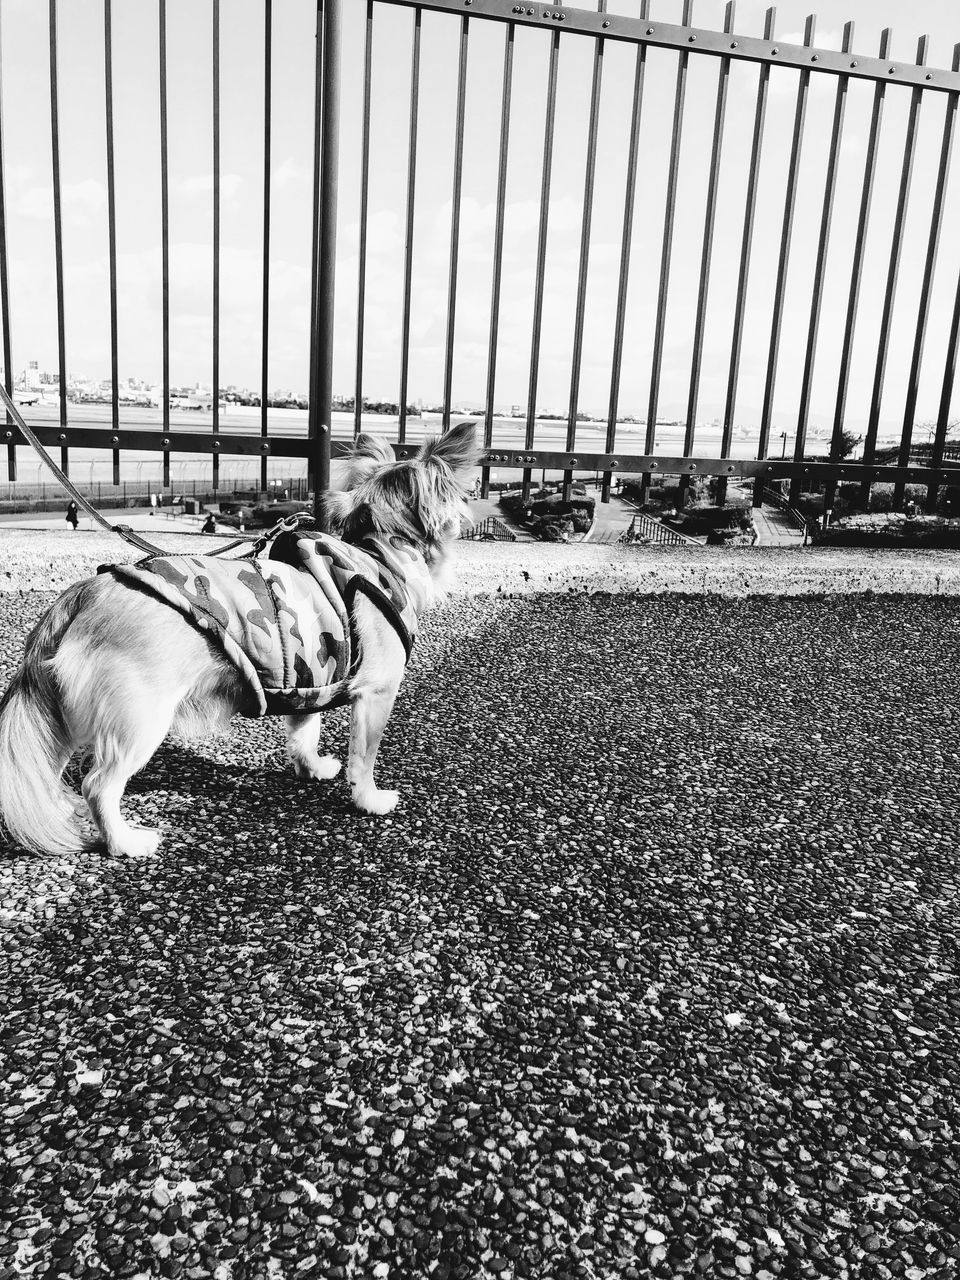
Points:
[[49, 560]]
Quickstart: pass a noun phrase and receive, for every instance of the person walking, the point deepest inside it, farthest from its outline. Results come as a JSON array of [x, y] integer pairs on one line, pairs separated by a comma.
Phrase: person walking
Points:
[[73, 516]]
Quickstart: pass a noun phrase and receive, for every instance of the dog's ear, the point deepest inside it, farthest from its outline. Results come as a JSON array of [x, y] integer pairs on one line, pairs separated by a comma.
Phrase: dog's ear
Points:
[[337, 505], [367, 454], [458, 448]]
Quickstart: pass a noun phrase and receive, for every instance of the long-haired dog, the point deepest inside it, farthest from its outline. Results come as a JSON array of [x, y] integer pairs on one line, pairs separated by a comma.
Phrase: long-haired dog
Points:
[[110, 669]]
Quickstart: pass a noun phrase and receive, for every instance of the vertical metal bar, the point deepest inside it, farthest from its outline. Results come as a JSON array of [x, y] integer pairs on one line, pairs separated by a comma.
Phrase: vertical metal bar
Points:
[[946, 397], [364, 201], [893, 271], [455, 219], [929, 266], [826, 219], [626, 243], [5, 299], [216, 238], [58, 227], [587, 218], [551, 112], [498, 249], [313, 410], [164, 219], [786, 236], [408, 243], [265, 319], [706, 257], [329, 179], [111, 229], [856, 274], [667, 245], [746, 248]]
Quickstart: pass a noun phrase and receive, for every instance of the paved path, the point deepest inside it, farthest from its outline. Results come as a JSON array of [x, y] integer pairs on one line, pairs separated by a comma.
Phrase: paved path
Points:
[[774, 526], [776, 529], [613, 519]]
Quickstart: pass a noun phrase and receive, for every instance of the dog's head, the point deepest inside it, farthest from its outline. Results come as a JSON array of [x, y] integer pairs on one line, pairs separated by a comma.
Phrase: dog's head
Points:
[[420, 500]]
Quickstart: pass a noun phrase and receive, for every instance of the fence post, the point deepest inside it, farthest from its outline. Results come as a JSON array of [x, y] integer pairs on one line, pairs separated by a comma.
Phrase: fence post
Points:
[[321, 358]]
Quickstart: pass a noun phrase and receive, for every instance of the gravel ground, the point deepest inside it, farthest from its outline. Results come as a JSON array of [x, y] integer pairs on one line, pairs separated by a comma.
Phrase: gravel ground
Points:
[[652, 974]]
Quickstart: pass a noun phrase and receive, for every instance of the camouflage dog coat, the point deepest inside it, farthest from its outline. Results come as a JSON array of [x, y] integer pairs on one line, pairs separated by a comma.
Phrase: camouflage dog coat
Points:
[[286, 623]]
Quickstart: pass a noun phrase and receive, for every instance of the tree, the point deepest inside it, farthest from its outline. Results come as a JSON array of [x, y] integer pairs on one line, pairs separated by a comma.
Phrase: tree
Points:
[[931, 429], [848, 442]]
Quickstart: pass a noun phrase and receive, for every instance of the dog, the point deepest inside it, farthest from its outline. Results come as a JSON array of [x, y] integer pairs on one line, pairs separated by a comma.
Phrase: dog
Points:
[[121, 660]]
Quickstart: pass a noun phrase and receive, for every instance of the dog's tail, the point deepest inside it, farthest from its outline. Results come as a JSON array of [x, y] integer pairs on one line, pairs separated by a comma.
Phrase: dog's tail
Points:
[[37, 808]]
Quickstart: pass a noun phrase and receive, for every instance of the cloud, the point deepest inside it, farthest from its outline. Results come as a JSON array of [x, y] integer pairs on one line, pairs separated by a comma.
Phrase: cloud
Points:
[[199, 184], [288, 171], [79, 201], [832, 38]]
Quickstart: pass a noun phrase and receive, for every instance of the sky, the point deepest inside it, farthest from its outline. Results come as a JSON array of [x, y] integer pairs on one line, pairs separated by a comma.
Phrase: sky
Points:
[[27, 159]]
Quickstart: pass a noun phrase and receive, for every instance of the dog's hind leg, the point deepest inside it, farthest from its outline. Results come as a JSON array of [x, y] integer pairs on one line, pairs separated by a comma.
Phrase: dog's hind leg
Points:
[[303, 733], [123, 744]]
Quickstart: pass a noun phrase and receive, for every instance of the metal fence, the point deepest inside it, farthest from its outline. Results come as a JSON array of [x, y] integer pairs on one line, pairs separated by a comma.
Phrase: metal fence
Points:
[[549, 33], [163, 437]]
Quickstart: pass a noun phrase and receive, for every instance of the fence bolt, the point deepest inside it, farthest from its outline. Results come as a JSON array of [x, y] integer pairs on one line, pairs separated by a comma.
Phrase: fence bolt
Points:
[[691, 39], [216, 444], [605, 25], [649, 31], [165, 442], [9, 435], [264, 448], [854, 63], [734, 44], [815, 58], [892, 71], [61, 436], [774, 50]]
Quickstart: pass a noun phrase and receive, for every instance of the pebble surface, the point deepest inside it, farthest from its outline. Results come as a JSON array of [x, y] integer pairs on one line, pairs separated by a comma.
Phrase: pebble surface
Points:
[[653, 973]]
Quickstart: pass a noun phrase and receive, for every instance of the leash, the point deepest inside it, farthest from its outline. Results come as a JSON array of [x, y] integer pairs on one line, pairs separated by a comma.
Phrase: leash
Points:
[[287, 524]]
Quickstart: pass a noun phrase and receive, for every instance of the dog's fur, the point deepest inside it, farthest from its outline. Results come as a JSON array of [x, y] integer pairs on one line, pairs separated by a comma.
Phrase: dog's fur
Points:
[[109, 671]]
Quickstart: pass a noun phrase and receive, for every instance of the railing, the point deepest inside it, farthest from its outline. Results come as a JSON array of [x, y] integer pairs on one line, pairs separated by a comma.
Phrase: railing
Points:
[[644, 528], [537, 66], [489, 530], [777, 499]]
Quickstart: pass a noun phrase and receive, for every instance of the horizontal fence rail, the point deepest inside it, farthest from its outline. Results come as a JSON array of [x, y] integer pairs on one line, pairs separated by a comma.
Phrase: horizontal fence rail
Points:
[[688, 38], [429, 199]]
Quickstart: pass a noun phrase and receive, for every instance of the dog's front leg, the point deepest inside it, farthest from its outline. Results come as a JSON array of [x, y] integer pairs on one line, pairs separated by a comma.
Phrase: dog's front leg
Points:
[[373, 692], [371, 710], [303, 733]]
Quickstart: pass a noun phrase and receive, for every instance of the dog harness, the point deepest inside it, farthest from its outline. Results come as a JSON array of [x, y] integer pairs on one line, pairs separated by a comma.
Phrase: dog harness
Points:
[[287, 623]]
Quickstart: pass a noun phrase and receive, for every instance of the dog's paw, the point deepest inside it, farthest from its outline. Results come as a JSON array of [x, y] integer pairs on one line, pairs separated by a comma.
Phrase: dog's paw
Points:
[[319, 768], [376, 802], [135, 842]]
